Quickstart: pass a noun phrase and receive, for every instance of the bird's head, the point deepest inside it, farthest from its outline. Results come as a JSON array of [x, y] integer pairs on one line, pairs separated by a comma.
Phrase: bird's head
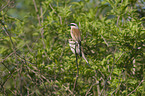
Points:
[[73, 25]]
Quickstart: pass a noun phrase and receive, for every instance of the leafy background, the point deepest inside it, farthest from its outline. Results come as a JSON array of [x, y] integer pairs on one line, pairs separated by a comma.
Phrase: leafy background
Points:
[[35, 58]]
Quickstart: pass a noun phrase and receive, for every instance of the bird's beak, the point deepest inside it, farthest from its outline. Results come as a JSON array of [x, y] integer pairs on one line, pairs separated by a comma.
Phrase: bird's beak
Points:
[[69, 24]]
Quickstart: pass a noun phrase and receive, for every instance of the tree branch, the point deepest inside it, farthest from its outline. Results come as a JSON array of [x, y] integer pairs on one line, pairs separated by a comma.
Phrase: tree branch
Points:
[[110, 74], [77, 75], [135, 88]]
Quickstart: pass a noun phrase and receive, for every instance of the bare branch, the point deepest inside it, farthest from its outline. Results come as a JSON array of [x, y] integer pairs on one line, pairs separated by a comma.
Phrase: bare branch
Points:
[[56, 12], [38, 17], [6, 31], [77, 75], [135, 88], [68, 89], [110, 74], [91, 88], [118, 20], [105, 41], [3, 7]]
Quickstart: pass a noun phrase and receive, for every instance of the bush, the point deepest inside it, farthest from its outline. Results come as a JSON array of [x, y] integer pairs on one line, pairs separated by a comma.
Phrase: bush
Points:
[[35, 58]]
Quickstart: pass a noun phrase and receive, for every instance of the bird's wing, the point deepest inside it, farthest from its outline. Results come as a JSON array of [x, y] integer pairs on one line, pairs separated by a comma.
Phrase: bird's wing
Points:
[[76, 34]]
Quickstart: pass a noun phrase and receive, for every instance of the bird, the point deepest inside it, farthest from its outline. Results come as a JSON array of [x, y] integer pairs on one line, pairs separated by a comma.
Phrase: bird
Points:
[[76, 35], [74, 46]]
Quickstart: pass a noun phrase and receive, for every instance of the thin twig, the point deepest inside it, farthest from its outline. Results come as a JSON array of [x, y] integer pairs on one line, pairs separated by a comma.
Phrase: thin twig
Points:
[[60, 57], [77, 75], [7, 57], [68, 89], [110, 74], [56, 13], [11, 75], [38, 17], [118, 20], [90, 88], [13, 48], [3, 7], [135, 88], [37, 73], [119, 83], [42, 29], [6, 31], [105, 41]]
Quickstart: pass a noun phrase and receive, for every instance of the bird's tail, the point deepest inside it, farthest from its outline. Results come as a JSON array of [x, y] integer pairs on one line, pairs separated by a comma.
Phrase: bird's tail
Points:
[[83, 55]]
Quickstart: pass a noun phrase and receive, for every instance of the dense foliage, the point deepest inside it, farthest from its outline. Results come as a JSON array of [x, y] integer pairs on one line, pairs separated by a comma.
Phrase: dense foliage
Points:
[[35, 58]]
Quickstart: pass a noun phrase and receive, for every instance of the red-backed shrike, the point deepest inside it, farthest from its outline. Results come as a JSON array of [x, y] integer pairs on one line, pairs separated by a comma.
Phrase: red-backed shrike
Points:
[[72, 45], [76, 35]]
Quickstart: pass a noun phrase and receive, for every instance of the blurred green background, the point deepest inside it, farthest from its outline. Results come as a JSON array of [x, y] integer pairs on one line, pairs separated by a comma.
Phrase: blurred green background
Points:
[[35, 57]]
